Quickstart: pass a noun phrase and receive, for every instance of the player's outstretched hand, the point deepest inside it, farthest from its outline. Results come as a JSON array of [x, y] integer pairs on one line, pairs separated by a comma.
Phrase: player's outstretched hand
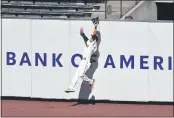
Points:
[[81, 30]]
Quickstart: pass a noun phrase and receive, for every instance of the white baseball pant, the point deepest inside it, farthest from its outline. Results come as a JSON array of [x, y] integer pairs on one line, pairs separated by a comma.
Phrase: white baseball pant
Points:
[[80, 73]]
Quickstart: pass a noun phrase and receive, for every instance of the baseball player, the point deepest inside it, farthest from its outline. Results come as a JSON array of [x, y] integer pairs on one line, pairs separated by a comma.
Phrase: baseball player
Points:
[[89, 49]]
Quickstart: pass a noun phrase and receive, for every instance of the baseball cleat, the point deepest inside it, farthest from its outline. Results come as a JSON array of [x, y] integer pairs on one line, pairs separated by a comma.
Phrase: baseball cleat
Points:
[[69, 90]]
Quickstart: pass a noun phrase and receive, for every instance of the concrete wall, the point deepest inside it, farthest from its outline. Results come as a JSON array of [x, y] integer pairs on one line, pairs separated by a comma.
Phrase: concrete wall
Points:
[[144, 11], [115, 9]]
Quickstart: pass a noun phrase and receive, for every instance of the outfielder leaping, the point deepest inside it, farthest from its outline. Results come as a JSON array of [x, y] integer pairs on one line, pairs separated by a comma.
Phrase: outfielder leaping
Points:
[[89, 49]]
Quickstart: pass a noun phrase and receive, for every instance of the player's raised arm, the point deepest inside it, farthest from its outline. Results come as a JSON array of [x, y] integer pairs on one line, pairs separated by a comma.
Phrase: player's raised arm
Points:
[[94, 35], [83, 35]]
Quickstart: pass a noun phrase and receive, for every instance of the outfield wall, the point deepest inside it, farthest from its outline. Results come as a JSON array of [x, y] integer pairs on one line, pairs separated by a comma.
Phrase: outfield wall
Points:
[[40, 57]]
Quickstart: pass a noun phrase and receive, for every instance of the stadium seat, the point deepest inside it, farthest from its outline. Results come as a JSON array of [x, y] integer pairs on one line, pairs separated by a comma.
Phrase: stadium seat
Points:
[[65, 8]]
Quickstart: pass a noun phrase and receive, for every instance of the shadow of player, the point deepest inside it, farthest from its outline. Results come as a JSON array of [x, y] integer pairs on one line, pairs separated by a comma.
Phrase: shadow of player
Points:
[[85, 89]]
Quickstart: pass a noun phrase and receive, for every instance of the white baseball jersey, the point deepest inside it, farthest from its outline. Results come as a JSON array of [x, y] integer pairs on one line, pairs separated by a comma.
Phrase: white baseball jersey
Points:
[[90, 48]]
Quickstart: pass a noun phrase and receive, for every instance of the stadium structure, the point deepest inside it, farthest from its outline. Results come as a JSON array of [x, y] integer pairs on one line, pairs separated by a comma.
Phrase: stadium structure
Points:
[[137, 36], [87, 9]]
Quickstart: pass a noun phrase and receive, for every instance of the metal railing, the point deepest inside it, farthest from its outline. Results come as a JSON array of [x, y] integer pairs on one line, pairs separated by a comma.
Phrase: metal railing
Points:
[[121, 8]]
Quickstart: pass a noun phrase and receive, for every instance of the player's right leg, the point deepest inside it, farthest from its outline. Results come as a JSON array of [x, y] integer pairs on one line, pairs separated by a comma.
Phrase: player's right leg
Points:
[[83, 75], [75, 79]]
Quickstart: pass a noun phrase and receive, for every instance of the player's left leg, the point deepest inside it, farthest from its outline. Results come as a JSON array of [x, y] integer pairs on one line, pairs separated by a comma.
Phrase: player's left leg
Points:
[[91, 81], [86, 78]]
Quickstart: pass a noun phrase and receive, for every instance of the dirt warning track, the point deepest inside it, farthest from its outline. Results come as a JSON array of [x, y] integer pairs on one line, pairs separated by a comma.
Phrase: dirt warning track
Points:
[[53, 108]]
